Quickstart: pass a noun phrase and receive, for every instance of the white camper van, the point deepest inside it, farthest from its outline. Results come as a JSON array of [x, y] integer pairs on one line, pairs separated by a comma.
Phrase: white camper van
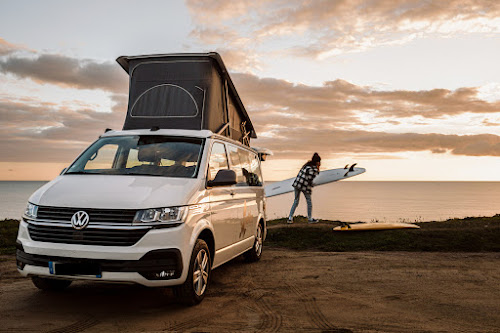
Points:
[[158, 206]]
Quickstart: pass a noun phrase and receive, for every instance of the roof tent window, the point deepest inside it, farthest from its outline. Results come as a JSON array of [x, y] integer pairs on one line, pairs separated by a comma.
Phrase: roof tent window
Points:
[[168, 100]]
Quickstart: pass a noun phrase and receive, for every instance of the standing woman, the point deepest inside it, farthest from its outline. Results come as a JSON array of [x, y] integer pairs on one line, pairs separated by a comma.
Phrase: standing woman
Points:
[[304, 183]]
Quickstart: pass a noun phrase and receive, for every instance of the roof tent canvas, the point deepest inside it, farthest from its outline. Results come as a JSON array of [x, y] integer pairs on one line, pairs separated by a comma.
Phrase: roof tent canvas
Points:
[[184, 91]]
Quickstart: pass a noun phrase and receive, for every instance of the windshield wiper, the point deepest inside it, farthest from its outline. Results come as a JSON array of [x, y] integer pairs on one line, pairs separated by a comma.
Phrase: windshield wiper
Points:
[[141, 174]]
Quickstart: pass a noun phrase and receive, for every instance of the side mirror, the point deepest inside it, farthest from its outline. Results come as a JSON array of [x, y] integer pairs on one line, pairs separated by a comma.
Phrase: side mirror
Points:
[[263, 153], [224, 177], [63, 170]]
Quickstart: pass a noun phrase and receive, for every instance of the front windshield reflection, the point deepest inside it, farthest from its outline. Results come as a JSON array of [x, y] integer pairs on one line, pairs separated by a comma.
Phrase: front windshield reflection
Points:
[[141, 155]]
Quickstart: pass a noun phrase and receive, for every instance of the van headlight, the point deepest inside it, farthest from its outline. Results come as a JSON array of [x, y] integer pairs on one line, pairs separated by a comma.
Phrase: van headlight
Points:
[[31, 210], [155, 215]]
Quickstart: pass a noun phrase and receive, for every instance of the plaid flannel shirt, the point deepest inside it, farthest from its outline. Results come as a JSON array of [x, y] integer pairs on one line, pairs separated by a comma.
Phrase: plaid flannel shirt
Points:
[[304, 180]]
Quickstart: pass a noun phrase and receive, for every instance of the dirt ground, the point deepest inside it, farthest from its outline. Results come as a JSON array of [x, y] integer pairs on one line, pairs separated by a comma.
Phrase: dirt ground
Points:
[[285, 291]]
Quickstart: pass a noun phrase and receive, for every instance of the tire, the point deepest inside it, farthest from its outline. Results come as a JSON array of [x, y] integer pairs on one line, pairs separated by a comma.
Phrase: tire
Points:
[[48, 284], [255, 252], [193, 290]]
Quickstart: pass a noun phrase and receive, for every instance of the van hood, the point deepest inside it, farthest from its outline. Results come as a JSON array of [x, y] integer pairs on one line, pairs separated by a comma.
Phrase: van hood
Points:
[[116, 192]]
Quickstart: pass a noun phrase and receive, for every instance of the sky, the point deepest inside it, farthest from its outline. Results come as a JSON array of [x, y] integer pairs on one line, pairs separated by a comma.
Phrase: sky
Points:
[[408, 89]]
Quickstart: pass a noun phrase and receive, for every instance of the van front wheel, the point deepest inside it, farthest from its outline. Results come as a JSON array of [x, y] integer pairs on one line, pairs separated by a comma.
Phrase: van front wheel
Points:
[[193, 290], [255, 252]]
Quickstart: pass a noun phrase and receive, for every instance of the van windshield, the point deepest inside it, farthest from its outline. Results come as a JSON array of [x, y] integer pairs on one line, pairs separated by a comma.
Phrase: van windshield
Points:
[[147, 155]]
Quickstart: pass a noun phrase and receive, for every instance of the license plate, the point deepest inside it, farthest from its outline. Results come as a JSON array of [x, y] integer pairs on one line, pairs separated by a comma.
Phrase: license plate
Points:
[[56, 268]]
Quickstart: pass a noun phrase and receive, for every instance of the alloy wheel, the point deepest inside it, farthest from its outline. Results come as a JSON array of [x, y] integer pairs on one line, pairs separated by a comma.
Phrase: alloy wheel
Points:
[[200, 272], [258, 241]]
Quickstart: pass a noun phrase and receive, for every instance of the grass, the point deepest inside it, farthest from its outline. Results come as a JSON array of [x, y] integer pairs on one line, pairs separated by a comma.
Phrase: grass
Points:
[[8, 235], [472, 234]]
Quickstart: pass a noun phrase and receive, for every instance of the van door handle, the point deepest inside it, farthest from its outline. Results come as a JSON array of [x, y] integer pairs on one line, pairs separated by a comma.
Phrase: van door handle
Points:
[[232, 193]]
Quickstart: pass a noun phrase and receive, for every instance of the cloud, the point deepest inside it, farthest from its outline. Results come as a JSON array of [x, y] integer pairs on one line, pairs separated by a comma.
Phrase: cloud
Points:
[[326, 28], [67, 72], [235, 50], [299, 143], [294, 120], [225, 9], [211, 35], [33, 131], [7, 48], [239, 60], [487, 122], [341, 101], [378, 157]]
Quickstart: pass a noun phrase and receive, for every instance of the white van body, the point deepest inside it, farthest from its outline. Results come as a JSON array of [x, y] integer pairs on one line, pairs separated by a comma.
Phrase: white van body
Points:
[[227, 218]]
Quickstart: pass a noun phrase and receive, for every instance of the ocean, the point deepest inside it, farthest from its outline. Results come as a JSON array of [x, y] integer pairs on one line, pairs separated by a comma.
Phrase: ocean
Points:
[[348, 201]]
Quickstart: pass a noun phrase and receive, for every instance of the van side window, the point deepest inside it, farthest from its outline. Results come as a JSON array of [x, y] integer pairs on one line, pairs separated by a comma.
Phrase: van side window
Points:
[[250, 168], [218, 160], [236, 165]]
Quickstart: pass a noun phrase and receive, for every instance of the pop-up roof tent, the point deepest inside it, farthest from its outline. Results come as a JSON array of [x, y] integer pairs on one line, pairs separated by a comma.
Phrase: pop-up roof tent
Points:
[[184, 91]]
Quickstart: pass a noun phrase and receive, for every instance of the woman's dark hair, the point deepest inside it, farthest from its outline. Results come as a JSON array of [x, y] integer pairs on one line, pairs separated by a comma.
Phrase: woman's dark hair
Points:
[[312, 162]]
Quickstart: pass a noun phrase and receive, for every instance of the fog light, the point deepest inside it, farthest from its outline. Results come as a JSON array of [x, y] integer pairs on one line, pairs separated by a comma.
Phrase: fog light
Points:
[[165, 274], [20, 264]]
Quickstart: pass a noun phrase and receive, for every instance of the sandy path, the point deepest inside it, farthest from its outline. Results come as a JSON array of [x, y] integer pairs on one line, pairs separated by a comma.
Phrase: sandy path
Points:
[[285, 291]]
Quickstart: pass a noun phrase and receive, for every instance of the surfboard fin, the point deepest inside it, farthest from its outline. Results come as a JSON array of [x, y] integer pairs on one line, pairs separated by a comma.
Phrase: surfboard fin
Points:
[[350, 169], [346, 166]]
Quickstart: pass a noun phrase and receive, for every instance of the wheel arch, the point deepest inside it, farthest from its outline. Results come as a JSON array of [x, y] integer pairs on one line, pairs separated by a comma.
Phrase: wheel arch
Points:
[[264, 225], [208, 236]]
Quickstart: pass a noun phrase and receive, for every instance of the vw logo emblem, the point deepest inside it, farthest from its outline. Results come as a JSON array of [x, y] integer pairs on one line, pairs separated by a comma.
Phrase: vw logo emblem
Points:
[[80, 220]]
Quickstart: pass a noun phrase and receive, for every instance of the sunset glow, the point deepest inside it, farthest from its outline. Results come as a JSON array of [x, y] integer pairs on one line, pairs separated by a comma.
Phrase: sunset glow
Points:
[[409, 90]]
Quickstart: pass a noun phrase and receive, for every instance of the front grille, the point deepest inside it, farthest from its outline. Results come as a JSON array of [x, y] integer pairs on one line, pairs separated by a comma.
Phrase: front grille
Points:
[[68, 235], [95, 215]]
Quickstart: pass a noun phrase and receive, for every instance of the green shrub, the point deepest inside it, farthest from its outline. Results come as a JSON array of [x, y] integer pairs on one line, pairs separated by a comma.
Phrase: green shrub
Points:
[[8, 235]]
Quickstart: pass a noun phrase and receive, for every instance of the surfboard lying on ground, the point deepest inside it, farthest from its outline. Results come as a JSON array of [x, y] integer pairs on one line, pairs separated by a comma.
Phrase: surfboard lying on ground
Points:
[[374, 226], [324, 177]]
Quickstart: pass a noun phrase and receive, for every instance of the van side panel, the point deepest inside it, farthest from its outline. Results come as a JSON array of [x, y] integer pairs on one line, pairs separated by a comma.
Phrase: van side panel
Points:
[[230, 252]]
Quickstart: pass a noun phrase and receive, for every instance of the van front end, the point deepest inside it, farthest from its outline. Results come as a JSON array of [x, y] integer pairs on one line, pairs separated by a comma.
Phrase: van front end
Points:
[[112, 246]]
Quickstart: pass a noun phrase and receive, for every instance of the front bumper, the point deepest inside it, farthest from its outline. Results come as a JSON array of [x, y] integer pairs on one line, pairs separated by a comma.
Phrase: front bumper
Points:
[[153, 266], [155, 260]]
